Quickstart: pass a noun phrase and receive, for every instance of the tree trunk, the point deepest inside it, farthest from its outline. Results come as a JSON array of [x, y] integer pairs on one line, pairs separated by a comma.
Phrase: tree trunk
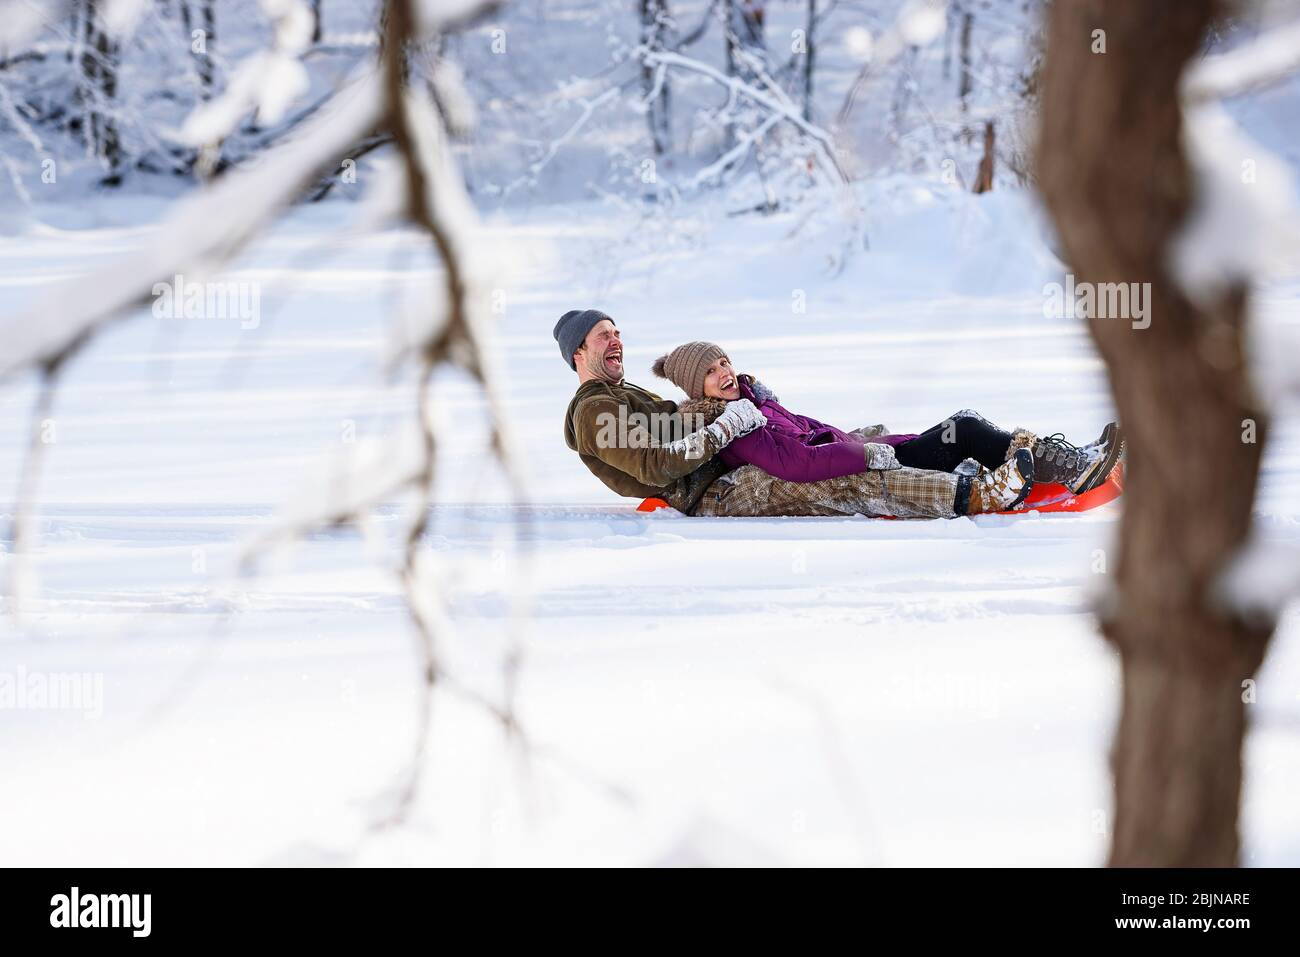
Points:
[[208, 12], [809, 50], [744, 35], [655, 23], [965, 83], [745, 46], [745, 26], [984, 178], [99, 63], [203, 64], [110, 143], [1116, 181]]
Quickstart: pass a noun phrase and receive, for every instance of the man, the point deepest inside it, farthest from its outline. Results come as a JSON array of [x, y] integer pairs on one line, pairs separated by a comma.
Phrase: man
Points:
[[641, 446], [631, 439]]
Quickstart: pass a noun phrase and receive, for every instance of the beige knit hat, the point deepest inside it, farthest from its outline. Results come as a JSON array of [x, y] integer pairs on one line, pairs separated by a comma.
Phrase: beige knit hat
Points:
[[687, 365]]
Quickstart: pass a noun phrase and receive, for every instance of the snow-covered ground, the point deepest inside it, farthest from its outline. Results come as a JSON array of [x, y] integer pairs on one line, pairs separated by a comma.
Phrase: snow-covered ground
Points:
[[694, 691]]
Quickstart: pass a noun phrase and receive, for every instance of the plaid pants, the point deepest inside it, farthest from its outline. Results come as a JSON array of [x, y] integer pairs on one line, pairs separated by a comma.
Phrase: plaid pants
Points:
[[901, 492]]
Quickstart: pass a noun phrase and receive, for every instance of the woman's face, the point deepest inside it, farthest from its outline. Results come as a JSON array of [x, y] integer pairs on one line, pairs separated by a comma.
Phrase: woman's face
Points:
[[721, 381]]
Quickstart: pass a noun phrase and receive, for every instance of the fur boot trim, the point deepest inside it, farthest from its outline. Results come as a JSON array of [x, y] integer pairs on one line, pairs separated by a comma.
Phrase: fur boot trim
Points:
[[1020, 439]]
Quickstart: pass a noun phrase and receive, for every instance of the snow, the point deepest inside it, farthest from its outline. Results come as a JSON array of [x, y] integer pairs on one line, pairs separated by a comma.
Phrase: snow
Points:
[[268, 82], [800, 691], [121, 16], [918, 23], [922, 21], [1242, 225], [21, 22], [859, 42], [1261, 580]]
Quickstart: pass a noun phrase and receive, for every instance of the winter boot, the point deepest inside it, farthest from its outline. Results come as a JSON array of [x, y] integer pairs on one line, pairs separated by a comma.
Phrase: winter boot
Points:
[[1003, 488], [1078, 468]]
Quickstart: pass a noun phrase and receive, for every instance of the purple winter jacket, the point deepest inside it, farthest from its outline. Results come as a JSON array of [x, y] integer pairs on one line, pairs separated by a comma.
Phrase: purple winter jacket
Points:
[[797, 448]]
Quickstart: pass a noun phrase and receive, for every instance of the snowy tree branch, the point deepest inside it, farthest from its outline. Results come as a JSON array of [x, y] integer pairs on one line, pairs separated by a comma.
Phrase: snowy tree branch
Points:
[[202, 232], [1264, 61], [738, 87]]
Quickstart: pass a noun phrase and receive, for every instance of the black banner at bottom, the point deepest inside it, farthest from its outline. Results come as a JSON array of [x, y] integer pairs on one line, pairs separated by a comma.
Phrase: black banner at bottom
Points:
[[337, 907]]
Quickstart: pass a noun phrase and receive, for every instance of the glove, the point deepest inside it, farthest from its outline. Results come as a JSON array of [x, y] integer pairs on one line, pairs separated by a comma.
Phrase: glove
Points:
[[740, 418], [870, 431], [880, 456]]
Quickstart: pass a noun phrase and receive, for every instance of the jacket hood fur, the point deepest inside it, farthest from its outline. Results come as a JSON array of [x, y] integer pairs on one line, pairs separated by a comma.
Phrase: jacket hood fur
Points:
[[711, 408]]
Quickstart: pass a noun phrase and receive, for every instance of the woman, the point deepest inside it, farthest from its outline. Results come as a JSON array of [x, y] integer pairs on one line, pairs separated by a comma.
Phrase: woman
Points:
[[1001, 467]]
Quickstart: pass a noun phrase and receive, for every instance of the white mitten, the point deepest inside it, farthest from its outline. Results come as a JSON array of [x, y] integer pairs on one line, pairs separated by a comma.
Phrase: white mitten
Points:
[[870, 431], [881, 456], [741, 418]]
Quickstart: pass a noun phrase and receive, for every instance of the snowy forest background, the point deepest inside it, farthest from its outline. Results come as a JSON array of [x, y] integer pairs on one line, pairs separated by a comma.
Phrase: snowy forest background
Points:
[[232, 526], [546, 80]]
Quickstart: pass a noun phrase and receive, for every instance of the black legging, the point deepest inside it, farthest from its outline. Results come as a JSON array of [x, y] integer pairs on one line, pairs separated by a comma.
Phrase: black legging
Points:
[[963, 435]]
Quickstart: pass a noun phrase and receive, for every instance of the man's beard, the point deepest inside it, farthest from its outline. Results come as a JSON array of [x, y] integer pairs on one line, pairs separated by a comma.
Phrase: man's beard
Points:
[[598, 370]]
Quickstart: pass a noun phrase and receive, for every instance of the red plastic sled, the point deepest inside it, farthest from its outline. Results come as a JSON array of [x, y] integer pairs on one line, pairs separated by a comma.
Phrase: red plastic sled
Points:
[[1045, 497]]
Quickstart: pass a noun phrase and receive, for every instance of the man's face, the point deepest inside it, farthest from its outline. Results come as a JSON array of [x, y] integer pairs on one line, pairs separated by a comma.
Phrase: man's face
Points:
[[601, 353]]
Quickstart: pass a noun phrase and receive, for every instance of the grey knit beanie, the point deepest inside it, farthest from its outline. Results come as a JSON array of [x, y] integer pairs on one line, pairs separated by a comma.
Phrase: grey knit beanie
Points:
[[571, 331], [687, 365]]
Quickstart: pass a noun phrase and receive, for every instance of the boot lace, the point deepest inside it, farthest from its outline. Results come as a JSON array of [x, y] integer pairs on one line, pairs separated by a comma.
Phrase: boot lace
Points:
[[1055, 447]]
